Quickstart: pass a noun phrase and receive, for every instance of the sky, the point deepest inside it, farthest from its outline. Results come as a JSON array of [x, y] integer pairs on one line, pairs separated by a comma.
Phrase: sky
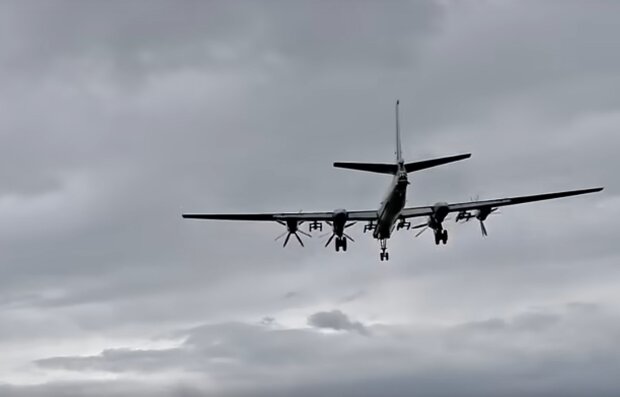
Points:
[[116, 117]]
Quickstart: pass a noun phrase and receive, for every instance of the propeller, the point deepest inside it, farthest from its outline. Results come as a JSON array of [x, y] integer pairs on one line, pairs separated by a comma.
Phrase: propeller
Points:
[[292, 230], [483, 228], [424, 226]]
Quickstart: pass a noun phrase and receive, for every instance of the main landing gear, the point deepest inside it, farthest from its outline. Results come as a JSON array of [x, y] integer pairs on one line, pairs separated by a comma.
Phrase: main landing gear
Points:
[[441, 236], [384, 255], [341, 242]]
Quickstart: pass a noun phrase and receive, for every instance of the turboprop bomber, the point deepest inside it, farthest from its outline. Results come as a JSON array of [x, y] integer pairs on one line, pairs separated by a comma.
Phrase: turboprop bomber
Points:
[[392, 213]]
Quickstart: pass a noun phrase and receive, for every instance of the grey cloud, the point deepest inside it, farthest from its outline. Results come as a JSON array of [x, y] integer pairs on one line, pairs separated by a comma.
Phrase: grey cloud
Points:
[[354, 296], [159, 35], [335, 320], [394, 359], [100, 388]]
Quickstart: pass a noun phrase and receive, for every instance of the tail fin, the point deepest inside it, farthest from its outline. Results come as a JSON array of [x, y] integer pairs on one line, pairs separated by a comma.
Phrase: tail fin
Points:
[[399, 151]]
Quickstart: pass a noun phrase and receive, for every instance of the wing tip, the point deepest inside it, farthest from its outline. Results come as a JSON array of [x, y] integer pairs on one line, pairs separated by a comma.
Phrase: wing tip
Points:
[[590, 190]]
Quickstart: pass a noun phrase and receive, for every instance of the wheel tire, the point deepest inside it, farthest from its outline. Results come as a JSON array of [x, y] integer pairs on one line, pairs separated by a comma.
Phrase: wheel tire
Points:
[[387, 256], [382, 256], [437, 238], [337, 244], [444, 237], [344, 244]]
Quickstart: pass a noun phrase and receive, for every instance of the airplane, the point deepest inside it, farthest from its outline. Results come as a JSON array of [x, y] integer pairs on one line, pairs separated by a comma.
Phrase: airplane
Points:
[[392, 213]]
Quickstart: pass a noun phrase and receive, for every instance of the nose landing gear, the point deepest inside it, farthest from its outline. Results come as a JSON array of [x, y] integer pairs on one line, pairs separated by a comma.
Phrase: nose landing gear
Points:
[[384, 255]]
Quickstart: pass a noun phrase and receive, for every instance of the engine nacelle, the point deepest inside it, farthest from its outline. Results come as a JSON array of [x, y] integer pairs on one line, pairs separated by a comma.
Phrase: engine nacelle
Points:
[[483, 213], [339, 221], [440, 211], [292, 225]]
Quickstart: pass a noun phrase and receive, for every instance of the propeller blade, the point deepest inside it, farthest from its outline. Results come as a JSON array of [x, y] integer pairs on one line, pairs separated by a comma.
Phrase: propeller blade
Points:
[[347, 236], [280, 236], [349, 224], [420, 225], [304, 233], [286, 239], [421, 231], [483, 229], [298, 239], [330, 239]]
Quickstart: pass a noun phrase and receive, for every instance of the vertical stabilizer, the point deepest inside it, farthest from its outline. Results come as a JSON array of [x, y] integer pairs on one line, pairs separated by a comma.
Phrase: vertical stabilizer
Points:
[[399, 152]]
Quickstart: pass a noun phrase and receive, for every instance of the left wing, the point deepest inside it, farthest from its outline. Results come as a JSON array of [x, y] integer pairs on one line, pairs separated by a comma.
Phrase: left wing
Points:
[[488, 204], [287, 216]]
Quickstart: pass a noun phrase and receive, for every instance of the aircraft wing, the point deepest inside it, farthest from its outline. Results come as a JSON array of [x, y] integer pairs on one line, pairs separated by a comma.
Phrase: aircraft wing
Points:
[[488, 204], [298, 216]]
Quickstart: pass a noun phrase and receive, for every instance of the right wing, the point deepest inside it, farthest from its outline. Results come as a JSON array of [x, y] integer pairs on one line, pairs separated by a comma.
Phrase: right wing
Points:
[[488, 204]]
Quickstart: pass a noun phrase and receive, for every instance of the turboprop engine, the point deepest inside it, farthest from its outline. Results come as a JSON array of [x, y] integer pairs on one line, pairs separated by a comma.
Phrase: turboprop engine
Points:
[[435, 222], [339, 224]]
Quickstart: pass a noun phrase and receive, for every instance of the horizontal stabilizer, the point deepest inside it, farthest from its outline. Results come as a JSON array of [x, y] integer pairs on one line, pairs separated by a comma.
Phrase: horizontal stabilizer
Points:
[[421, 165], [369, 167]]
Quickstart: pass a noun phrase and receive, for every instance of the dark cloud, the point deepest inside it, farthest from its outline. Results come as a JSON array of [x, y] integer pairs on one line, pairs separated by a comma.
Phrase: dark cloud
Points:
[[335, 320]]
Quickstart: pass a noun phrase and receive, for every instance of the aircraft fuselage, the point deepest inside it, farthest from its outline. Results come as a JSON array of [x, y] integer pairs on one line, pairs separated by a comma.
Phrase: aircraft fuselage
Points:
[[392, 205]]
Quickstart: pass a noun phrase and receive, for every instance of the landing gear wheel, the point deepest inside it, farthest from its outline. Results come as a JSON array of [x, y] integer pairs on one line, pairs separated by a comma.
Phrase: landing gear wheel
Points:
[[384, 255], [437, 238], [444, 237], [337, 244], [344, 244]]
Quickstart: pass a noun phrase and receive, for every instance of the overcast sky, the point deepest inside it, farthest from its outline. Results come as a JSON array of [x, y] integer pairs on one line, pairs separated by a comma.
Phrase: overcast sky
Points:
[[117, 116]]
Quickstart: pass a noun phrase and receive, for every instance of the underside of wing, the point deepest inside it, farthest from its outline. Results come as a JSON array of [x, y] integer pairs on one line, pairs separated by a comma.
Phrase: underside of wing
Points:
[[233, 217], [487, 204], [299, 216], [518, 200]]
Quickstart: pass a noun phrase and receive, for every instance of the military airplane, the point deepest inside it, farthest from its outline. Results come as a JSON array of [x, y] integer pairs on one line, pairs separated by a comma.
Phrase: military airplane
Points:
[[392, 213]]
